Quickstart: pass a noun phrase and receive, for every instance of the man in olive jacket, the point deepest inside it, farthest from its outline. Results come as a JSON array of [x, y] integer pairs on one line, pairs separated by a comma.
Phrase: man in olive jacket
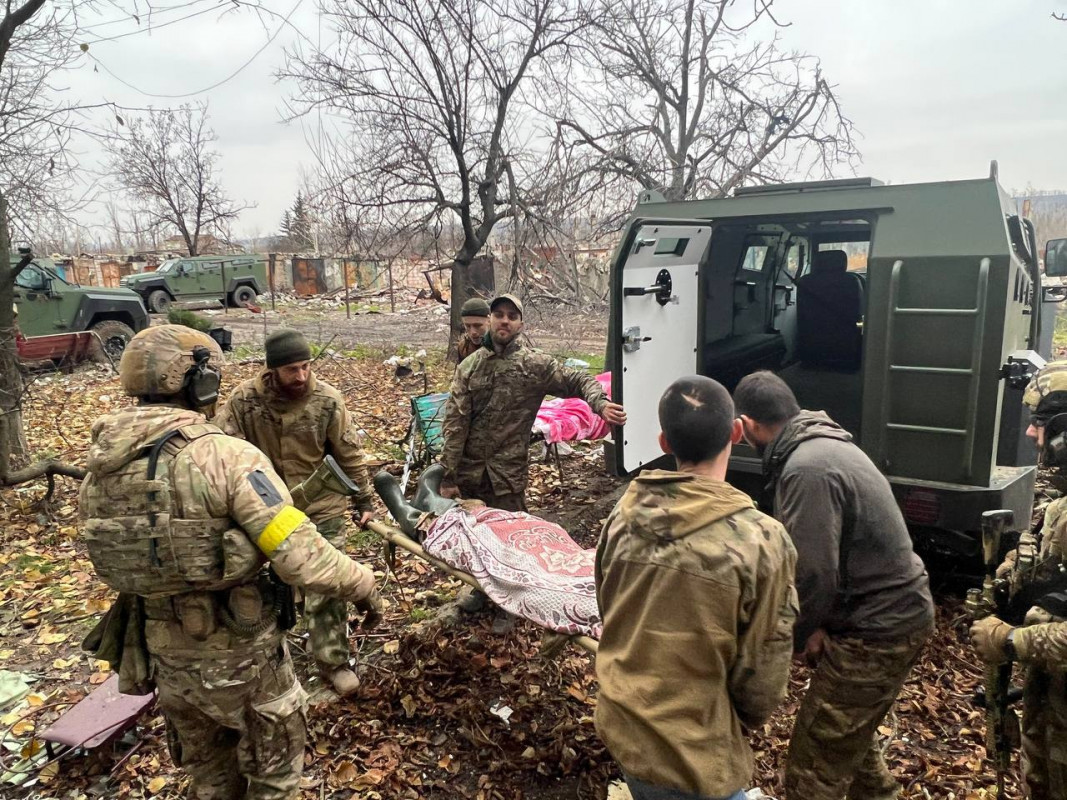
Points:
[[865, 603], [695, 588], [297, 420], [490, 412]]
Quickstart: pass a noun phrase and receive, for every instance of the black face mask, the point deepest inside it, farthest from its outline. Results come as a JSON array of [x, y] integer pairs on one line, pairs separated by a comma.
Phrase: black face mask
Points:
[[759, 448], [1053, 453]]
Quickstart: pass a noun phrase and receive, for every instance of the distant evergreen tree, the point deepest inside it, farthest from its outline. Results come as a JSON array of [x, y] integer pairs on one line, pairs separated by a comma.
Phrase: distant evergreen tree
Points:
[[296, 226]]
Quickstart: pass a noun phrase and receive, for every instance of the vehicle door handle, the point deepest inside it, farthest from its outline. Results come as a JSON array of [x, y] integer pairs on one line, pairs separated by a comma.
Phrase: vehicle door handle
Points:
[[632, 339], [661, 289]]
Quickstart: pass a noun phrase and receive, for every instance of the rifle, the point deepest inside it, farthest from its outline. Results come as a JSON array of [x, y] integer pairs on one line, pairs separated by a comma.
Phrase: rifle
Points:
[[1033, 583], [327, 477], [1002, 723]]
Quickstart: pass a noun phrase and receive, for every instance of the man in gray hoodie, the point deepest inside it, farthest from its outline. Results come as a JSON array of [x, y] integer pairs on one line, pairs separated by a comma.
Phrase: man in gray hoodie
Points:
[[865, 604]]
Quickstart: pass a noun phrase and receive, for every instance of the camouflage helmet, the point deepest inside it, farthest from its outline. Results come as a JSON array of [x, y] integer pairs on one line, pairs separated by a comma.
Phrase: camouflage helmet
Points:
[[1046, 394], [156, 361]]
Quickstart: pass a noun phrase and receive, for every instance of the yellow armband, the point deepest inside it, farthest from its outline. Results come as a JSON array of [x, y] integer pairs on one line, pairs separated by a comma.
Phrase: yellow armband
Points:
[[278, 529]]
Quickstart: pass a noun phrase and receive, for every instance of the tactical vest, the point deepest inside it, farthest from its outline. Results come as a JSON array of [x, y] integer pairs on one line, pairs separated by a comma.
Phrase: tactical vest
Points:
[[139, 545]]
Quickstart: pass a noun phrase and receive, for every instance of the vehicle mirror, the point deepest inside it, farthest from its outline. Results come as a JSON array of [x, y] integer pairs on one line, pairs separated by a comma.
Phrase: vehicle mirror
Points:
[[1053, 294], [1056, 258]]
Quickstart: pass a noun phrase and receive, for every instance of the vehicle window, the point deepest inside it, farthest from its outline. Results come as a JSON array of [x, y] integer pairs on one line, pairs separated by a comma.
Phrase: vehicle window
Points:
[[167, 266], [32, 278], [672, 246], [755, 257]]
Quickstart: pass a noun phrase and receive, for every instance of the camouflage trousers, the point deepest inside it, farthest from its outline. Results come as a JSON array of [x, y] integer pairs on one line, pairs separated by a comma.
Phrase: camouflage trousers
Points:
[[834, 753], [327, 617], [1044, 734], [512, 501], [237, 726]]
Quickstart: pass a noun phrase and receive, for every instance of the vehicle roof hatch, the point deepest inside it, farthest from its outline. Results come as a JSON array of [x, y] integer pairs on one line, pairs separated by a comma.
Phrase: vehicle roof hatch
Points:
[[807, 186]]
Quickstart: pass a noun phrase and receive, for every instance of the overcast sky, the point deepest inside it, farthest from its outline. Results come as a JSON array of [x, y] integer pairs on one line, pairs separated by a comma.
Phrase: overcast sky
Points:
[[937, 88]]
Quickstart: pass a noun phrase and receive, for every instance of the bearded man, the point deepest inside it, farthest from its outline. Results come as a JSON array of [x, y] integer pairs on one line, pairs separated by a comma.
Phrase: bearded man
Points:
[[297, 420], [491, 409]]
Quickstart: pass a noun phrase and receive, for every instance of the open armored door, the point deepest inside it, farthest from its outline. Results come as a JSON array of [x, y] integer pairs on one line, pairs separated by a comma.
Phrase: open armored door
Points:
[[655, 315]]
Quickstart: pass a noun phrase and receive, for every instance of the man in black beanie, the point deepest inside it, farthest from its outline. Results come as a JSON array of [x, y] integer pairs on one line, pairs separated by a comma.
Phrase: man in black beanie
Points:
[[475, 316], [297, 420]]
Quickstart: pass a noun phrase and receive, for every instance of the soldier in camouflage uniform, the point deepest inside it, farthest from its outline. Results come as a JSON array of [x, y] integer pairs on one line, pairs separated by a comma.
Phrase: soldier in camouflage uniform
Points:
[[185, 518], [494, 400], [695, 588], [1041, 643], [865, 603], [296, 420]]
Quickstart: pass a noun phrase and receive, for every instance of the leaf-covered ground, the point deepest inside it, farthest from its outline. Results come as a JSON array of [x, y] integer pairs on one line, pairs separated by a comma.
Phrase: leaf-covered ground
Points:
[[422, 724]]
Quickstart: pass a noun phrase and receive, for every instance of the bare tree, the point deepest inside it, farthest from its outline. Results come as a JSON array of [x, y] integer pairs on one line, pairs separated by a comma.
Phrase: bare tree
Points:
[[682, 96], [24, 150], [114, 222], [166, 160], [436, 96]]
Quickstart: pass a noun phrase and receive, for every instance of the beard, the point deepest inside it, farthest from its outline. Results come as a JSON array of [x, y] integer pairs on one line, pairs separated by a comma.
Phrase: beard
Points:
[[501, 339], [293, 391]]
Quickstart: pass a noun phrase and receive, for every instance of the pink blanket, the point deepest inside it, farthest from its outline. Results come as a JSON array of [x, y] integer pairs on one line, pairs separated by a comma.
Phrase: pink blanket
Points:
[[527, 566], [571, 419]]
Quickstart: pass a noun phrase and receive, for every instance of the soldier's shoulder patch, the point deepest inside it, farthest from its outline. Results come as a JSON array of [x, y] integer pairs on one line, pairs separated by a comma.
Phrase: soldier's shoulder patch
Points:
[[264, 488], [191, 432]]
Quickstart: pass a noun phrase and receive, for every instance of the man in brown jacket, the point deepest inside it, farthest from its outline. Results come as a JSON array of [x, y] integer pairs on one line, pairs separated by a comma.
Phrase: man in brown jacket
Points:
[[475, 316], [492, 406], [695, 588], [297, 420]]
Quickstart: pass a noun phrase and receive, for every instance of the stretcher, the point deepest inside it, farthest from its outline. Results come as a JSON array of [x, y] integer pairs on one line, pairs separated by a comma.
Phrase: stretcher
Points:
[[398, 538]]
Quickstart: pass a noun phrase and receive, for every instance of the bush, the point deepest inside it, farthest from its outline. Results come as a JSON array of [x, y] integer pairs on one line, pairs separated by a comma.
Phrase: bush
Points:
[[182, 316]]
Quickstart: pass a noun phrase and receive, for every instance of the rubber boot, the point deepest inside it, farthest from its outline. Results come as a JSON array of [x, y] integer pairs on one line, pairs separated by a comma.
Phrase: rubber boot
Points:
[[405, 514], [428, 492]]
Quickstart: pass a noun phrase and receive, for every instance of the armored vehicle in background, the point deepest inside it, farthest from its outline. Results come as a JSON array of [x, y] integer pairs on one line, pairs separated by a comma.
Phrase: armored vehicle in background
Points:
[[48, 305], [911, 314], [234, 280]]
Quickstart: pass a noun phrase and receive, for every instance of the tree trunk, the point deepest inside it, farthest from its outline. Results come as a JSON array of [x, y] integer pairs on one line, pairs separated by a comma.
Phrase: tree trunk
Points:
[[458, 295], [12, 439]]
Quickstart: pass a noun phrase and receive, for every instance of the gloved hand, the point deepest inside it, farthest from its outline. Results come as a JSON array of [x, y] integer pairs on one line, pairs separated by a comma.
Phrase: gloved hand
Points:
[[372, 608], [1004, 570], [989, 637], [361, 516]]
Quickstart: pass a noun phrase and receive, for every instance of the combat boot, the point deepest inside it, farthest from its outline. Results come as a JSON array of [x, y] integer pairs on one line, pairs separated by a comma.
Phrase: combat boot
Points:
[[405, 514], [874, 781], [428, 492], [343, 680]]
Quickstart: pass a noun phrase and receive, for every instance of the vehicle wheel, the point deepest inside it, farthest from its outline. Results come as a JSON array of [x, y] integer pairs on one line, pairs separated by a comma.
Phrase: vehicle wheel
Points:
[[113, 337], [243, 295], [158, 302]]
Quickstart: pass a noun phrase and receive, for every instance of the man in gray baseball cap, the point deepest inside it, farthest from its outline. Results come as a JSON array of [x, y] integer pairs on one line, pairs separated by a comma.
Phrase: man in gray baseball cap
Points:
[[494, 399]]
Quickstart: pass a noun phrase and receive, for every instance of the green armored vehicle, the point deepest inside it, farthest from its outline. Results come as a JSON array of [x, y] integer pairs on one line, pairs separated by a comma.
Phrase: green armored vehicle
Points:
[[235, 280], [47, 305], [911, 314]]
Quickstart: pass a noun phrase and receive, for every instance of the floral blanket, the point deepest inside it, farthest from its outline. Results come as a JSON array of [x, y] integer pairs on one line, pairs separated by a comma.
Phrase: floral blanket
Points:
[[527, 566]]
